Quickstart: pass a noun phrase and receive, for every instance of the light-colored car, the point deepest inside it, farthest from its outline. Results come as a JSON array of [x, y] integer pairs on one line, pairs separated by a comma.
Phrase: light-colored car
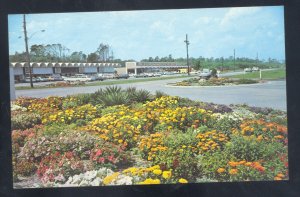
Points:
[[255, 69], [80, 77], [248, 70], [55, 77], [41, 79], [108, 76], [27, 79], [205, 73]]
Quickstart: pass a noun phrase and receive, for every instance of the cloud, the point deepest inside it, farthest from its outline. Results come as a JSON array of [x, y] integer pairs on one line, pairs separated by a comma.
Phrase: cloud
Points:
[[236, 14]]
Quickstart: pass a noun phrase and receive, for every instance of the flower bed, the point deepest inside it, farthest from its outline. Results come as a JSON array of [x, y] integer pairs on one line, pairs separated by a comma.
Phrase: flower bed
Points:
[[214, 82], [154, 141]]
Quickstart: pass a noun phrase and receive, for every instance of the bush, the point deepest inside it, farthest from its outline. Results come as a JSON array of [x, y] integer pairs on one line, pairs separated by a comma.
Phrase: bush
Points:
[[59, 167], [214, 72], [20, 137], [110, 156], [250, 149], [24, 168], [25, 120], [81, 143], [141, 96], [159, 94], [110, 96]]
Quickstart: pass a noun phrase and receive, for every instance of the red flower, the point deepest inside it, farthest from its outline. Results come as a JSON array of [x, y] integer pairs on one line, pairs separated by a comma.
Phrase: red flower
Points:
[[101, 160], [99, 152]]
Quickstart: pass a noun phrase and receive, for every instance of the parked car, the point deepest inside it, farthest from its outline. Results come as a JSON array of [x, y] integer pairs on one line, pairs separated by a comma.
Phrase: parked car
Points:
[[80, 77], [122, 76], [132, 75], [248, 70], [27, 80], [55, 78], [149, 74], [41, 79], [157, 74], [99, 77], [108, 75], [141, 75], [205, 73], [255, 69]]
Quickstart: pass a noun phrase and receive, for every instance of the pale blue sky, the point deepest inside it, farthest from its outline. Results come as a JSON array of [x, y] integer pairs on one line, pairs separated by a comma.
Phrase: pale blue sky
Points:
[[141, 34]]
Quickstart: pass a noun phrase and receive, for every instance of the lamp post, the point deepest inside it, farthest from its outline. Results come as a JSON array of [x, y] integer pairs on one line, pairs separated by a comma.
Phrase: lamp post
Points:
[[187, 53], [27, 51]]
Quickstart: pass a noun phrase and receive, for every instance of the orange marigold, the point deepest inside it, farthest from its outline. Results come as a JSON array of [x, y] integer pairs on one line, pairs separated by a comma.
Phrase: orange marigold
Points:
[[233, 171]]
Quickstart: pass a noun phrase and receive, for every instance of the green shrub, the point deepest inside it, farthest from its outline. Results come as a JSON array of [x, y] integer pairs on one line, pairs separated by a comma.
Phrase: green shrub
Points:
[[179, 155], [110, 96], [249, 149], [159, 94], [25, 120], [141, 96]]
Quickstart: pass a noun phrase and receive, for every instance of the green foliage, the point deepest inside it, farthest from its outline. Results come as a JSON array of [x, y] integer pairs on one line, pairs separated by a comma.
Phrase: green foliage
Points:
[[110, 96], [214, 72], [209, 163], [250, 149], [225, 124], [179, 156], [141, 96], [159, 94]]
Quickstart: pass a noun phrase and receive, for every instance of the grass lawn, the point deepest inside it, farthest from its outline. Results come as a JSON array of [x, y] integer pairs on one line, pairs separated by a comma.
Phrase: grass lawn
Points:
[[115, 82], [269, 74]]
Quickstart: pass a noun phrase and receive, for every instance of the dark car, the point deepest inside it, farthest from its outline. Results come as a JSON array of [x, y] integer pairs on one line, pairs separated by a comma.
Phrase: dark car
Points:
[[122, 76]]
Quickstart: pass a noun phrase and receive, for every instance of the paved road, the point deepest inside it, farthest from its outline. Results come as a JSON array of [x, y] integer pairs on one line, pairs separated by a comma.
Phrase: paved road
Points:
[[269, 94]]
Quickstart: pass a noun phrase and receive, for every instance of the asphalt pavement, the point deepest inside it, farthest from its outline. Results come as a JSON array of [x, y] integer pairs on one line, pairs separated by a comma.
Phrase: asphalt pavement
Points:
[[269, 94]]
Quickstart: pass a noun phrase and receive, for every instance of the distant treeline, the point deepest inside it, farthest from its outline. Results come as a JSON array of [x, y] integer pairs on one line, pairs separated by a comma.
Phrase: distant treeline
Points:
[[104, 53], [221, 63]]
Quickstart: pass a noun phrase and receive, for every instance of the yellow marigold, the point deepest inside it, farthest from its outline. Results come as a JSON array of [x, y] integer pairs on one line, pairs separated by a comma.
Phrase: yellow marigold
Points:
[[107, 180], [233, 171], [182, 180], [221, 170], [167, 174], [150, 181], [157, 172]]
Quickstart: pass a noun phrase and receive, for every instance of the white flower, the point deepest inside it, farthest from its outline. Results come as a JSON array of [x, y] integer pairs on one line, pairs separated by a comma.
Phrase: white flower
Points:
[[124, 180], [84, 183], [90, 175], [96, 182]]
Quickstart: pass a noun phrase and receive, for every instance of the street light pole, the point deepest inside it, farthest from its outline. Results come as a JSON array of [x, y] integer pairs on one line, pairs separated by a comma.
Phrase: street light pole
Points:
[[187, 53], [27, 51]]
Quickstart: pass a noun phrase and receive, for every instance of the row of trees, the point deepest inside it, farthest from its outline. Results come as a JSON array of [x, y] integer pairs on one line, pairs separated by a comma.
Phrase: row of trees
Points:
[[60, 53], [104, 53], [227, 63]]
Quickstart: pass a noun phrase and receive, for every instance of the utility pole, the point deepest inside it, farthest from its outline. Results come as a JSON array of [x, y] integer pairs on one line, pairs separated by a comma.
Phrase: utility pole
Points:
[[233, 59], [222, 63], [27, 51], [187, 53], [260, 77]]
